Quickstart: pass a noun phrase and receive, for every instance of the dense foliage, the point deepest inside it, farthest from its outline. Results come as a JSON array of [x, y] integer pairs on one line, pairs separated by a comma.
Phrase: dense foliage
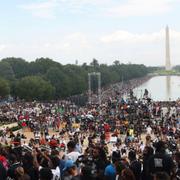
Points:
[[4, 88], [177, 68], [45, 79], [34, 87]]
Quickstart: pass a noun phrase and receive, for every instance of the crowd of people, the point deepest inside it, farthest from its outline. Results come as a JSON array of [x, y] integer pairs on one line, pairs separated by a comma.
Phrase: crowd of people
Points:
[[121, 139]]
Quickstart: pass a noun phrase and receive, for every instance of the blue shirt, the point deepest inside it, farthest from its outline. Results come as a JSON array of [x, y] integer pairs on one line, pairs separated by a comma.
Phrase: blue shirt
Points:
[[110, 172]]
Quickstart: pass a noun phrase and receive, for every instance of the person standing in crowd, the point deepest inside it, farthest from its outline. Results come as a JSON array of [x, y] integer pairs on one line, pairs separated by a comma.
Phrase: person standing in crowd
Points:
[[161, 176], [110, 170], [70, 171], [13, 165], [45, 174], [147, 153], [160, 161], [2, 172], [20, 174], [53, 164], [127, 174], [177, 160], [72, 153], [135, 165]]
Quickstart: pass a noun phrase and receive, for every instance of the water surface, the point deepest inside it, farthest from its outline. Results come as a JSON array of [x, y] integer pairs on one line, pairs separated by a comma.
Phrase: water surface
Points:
[[161, 88]]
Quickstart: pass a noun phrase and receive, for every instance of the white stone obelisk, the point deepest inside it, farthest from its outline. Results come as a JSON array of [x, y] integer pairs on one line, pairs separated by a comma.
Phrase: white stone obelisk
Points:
[[168, 63]]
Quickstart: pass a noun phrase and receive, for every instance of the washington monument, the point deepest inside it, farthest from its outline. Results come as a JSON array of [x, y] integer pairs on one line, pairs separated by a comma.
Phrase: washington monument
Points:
[[168, 63]]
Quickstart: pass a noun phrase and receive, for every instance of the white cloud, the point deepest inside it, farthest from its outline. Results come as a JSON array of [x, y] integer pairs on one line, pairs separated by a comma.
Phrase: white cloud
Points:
[[2, 47], [146, 48], [50, 8], [43, 9], [84, 2], [78, 38], [66, 45], [76, 41], [141, 8], [41, 5], [128, 37], [80, 6]]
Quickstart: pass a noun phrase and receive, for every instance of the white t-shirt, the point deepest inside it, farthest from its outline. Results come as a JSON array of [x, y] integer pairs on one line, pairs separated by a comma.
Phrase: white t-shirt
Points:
[[72, 156], [56, 173], [149, 130], [142, 146], [164, 111]]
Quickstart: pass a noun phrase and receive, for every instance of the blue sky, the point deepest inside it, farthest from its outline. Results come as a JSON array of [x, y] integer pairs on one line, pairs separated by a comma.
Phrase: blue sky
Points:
[[66, 30]]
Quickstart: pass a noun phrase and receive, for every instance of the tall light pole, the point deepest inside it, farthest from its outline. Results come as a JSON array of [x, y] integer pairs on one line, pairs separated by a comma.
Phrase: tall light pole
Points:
[[98, 74], [99, 87], [89, 88]]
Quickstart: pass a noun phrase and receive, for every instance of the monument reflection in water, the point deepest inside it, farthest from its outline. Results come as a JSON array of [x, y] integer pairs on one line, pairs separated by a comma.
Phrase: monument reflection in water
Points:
[[168, 87], [161, 88]]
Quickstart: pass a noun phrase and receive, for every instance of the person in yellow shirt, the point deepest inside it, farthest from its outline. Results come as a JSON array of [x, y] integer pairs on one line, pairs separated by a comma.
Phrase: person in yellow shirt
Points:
[[131, 132]]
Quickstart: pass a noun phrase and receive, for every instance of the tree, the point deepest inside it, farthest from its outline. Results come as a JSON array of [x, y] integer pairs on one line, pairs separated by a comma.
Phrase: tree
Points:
[[42, 65], [106, 75], [6, 70], [18, 65], [116, 63], [95, 63], [4, 88], [34, 88], [60, 81], [32, 80], [77, 78]]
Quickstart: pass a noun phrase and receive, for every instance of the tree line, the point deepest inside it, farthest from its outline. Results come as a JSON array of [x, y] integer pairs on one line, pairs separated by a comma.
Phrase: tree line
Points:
[[177, 68], [45, 79]]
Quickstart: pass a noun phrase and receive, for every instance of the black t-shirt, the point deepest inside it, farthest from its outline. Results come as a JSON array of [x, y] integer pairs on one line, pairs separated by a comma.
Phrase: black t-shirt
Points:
[[100, 166], [2, 172], [159, 163], [33, 173], [76, 178], [135, 166]]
